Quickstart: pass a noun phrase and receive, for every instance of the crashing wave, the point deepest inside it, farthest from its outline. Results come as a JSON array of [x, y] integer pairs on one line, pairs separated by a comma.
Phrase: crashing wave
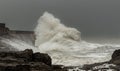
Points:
[[64, 43], [50, 29]]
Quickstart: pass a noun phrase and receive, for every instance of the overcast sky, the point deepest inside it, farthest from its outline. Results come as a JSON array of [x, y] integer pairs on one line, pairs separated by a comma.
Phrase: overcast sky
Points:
[[91, 17]]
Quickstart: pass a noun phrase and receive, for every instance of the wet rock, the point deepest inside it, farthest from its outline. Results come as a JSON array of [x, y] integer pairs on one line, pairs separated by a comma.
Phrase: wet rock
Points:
[[11, 60], [31, 66], [26, 55], [23, 55], [39, 66], [11, 67], [40, 57], [24, 61], [22, 68], [116, 57], [116, 54], [28, 61], [59, 68]]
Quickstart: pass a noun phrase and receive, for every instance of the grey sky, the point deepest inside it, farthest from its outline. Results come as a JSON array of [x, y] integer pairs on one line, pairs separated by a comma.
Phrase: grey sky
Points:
[[91, 17]]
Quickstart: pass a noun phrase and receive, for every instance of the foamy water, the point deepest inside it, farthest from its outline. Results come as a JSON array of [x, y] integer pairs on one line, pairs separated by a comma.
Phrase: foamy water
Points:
[[64, 44]]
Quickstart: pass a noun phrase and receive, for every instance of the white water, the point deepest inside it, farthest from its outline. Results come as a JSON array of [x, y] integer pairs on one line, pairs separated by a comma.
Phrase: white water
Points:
[[64, 44]]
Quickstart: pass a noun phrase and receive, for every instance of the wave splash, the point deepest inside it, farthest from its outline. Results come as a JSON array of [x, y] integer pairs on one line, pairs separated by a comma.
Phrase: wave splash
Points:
[[51, 29], [63, 44]]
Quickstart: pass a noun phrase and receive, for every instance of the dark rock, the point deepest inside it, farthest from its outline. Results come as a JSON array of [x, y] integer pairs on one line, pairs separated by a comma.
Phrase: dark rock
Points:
[[26, 55], [116, 57], [39, 66], [2, 25], [41, 57], [25, 61], [11, 60], [31, 66], [57, 66], [115, 54], [14, 67], [22, 68]]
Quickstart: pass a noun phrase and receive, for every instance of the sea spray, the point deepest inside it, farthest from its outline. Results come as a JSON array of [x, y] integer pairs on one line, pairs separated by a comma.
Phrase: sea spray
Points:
[[62, 43], [18, 44], [50, 28]]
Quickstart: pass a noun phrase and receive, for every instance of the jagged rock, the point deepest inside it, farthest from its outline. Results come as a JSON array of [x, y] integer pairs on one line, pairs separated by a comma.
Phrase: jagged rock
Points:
[[115, 54], [24, 61], [24, 55], [28, 61], [39, 66], [27, 56], [116, 57], [40, 57], [13, 67], [11, 60]]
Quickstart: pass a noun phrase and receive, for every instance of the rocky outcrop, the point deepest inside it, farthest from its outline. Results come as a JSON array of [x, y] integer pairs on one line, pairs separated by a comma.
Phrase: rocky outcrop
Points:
[[115, 59], [40, 57], [24, 61], [28, 61]]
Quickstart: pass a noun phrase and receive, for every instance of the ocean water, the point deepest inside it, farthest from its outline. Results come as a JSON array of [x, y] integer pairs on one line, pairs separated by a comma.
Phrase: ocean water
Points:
[[64, 44]]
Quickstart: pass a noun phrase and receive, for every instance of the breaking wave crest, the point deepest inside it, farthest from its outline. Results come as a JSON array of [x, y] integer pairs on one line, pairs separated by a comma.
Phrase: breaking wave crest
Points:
[[50, 29]]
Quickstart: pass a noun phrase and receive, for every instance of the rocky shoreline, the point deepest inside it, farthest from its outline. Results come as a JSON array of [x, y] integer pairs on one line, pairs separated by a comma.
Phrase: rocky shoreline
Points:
[[28, 61]]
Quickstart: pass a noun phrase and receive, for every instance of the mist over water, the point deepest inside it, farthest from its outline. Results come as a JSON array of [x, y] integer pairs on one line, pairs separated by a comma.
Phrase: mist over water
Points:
[[64, 44]]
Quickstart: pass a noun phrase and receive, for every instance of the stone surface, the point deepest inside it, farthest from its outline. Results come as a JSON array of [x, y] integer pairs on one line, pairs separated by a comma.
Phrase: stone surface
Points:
[[40, 57], [116, 54], [116, 57], [24, 61], [28, 61]]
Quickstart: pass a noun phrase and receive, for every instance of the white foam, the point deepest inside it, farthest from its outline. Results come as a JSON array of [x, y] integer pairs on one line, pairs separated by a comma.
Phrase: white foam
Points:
[[64, 43], [51, 29]]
